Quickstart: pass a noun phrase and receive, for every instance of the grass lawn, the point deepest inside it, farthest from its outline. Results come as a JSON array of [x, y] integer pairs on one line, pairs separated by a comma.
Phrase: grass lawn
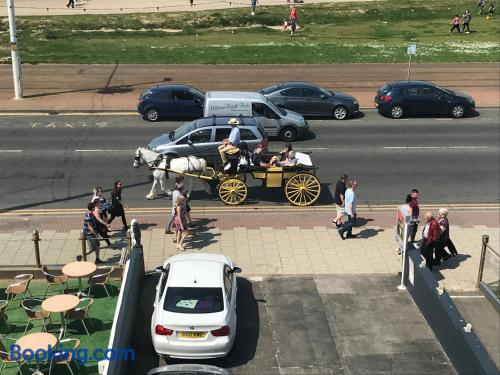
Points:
[[101, 314], [331, 33]]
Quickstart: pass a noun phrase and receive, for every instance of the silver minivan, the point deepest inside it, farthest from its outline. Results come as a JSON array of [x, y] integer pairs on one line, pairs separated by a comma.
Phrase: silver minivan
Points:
[[286, 124], [202, 137]]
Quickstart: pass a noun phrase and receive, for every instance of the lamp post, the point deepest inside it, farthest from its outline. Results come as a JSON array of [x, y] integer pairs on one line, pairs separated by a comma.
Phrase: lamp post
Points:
[[16, 62]]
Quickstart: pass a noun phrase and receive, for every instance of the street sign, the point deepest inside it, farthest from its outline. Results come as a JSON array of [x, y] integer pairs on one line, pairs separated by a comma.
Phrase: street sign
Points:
[[412, 50], [402, 220]]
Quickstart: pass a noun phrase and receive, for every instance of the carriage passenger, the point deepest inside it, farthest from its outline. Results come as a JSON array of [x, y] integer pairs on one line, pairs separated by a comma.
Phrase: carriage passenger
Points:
[[282, 155], [258, 159], [231, 143], [290, 160]]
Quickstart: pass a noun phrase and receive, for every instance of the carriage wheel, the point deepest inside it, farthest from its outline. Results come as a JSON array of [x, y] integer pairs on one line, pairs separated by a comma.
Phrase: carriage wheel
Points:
[[303, 189], [233, 191]]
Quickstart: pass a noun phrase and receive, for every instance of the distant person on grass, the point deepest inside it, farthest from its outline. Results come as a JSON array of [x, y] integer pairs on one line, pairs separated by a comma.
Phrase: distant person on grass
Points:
[[465, 21], [455, 24], [254, 5], [491, 9], [72, 3], [480, 6], [191, 2]]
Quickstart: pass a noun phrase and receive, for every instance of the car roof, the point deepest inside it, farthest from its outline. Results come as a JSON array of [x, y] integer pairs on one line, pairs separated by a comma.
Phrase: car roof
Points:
[[285, 85], [234, 95], [411, 82], [223, 120], [196, 270], [169, 87]]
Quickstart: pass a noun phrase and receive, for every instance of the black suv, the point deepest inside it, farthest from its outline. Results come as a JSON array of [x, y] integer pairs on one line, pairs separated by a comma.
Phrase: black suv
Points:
[[421, 98]]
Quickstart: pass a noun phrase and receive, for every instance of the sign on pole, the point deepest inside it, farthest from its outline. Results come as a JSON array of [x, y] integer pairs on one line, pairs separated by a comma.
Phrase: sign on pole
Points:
[[411, 50]]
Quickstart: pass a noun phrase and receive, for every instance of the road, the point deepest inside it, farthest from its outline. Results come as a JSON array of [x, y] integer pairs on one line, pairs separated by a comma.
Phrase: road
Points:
[[54, 161]]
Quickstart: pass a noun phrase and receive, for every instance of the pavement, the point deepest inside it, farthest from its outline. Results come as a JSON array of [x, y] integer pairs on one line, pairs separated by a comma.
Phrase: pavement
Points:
[[308, 325], [262, 243], [58, 7], [115, 87]]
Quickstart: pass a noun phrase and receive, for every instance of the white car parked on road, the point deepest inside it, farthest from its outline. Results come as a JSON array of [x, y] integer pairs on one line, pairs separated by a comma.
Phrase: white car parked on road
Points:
[[195, 306]]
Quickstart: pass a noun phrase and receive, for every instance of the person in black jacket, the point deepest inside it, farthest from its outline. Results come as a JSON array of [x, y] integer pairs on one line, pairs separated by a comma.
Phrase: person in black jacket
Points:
[[117, 205]]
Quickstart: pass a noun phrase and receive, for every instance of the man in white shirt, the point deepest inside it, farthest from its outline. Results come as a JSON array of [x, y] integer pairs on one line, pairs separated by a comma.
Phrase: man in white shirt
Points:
[[350, 211], [232, 142]]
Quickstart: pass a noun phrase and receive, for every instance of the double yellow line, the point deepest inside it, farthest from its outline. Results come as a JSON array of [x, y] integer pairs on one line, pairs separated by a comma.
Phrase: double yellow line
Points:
[[254, 209]]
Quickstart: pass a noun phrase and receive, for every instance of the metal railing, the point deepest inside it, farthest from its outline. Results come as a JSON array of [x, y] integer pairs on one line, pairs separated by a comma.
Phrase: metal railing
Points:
[[488, 278]]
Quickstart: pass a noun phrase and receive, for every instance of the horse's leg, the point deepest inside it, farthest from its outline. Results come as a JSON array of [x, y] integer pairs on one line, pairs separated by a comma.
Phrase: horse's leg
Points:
[[151, 194], [163, 181]]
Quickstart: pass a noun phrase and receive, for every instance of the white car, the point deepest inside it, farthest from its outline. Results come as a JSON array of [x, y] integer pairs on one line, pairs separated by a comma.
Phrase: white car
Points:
[[195, 306]]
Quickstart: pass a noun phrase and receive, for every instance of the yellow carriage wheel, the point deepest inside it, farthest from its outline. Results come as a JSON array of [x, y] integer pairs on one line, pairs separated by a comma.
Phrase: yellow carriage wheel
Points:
[[233, 191], [303, 189]]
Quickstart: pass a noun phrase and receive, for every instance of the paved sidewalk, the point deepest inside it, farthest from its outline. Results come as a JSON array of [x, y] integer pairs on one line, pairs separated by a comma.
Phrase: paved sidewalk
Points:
[[66, 87], [268, 250]]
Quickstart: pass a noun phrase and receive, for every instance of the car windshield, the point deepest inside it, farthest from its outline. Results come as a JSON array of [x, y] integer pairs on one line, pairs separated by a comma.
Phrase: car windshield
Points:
[[193, 300], [385, 89], [325, 92], [276, 109], [197, 93], [182, 131]]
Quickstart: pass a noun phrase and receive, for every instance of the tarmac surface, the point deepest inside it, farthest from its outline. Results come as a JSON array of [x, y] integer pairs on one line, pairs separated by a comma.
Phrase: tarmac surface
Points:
[[357, 324], [116, 87], [49, 162]]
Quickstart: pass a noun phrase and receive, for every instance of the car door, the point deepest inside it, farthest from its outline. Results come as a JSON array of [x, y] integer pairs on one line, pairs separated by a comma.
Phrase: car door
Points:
[[269, 119], [290, 98], [315, 103], [198, 142], [162, 101], [430, 101], [230, 289], [186, 104], [411, 100]]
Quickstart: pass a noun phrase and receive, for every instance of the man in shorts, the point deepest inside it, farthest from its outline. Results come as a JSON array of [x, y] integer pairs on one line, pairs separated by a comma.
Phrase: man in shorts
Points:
[[339, 200], [90, 231]]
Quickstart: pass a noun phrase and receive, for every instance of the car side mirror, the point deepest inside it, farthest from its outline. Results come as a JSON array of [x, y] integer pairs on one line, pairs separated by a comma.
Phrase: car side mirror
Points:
[[323, 96], [160, 269], [189, 142], [236, 270]]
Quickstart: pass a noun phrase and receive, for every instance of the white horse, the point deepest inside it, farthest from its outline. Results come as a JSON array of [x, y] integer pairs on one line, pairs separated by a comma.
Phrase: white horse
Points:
[[162, 164]]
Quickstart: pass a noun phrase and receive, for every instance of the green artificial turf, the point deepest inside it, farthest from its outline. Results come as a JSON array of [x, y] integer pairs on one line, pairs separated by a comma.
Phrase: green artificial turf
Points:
[[351, 32], [101, 314]]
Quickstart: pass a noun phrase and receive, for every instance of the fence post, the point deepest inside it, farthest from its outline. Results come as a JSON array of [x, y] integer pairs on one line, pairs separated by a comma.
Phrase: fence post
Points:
[[129, 242], [83, 239], [486, 239], [36, 240]]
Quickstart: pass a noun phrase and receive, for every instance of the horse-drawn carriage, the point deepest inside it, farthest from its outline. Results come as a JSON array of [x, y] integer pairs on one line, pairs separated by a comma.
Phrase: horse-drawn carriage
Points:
[[299, 182]]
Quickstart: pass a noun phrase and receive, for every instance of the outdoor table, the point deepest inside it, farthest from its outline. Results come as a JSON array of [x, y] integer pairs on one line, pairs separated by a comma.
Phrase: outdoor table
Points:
[[79, 270], [37, 341], [60, 304]]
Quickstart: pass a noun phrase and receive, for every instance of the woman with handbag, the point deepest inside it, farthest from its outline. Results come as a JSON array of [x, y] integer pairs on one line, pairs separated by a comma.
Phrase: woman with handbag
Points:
[[180, 221]]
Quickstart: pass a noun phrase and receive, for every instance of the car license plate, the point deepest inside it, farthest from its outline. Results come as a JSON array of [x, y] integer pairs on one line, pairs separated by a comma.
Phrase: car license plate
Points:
[[192, 335]]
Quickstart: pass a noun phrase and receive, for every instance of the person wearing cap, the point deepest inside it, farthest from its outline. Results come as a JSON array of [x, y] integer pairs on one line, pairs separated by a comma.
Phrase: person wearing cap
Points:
[[232, 142]]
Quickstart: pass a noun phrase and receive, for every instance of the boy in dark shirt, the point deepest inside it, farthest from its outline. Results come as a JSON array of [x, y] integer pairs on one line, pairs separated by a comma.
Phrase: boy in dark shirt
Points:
[[338, 199]]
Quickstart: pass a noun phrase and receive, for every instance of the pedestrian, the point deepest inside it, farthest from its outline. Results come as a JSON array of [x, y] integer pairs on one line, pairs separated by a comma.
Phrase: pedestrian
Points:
[[415, 214], [430, 237], [102, 226], [293, 20], [455, 23], [180, 222], [117, 205], [72, 3], [465, 21], [444, 239], [178, 188], [254, 5], [410, 210], [350, 210], [491, 9], [480, 6], [91, 234], [339, 200], [191, 2]]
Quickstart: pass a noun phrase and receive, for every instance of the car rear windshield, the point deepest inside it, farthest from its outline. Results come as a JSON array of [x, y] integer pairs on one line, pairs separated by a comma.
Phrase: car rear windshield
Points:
[[384, 90], [269, 89], [193, 300], [145, 93]]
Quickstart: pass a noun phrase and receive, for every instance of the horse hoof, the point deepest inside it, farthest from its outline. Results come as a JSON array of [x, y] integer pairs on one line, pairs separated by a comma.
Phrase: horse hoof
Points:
[[149, 197]]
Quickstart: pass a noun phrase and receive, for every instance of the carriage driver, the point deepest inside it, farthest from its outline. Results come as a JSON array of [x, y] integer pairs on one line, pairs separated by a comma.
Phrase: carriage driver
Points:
[[231, 143]]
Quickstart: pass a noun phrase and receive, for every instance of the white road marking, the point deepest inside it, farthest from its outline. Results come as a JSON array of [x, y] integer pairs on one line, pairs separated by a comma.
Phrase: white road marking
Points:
[[486, 118], [463, 297], [435, 147], [311, 148], [104, 150], [443, 119], [11, 151]]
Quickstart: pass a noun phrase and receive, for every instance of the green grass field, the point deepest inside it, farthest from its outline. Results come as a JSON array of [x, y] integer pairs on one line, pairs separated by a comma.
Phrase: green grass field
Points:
[[331, 33], [101, 314]]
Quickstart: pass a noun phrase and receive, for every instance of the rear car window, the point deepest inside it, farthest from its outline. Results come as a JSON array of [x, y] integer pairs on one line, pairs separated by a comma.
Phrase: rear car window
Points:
[[193, 300], [384, 90], [145, 93], [294, 91], [270, 89]]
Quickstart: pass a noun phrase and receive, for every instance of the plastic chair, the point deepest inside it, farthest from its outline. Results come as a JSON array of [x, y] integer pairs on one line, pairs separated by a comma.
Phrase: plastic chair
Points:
[[100, 278], [81, 312], [5, 359], [3, 308], [28, 306], [65, 358], [20, 285], [61, 280]]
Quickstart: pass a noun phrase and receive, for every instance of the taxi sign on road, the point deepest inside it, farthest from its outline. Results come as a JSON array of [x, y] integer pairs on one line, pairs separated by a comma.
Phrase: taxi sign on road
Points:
[[412, 49]]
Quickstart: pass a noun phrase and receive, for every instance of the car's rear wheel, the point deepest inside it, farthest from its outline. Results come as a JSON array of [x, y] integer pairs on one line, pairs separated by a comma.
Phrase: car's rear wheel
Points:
[[152, 114], [340, 113], [288, 134], [457, 111], [396, 111]]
